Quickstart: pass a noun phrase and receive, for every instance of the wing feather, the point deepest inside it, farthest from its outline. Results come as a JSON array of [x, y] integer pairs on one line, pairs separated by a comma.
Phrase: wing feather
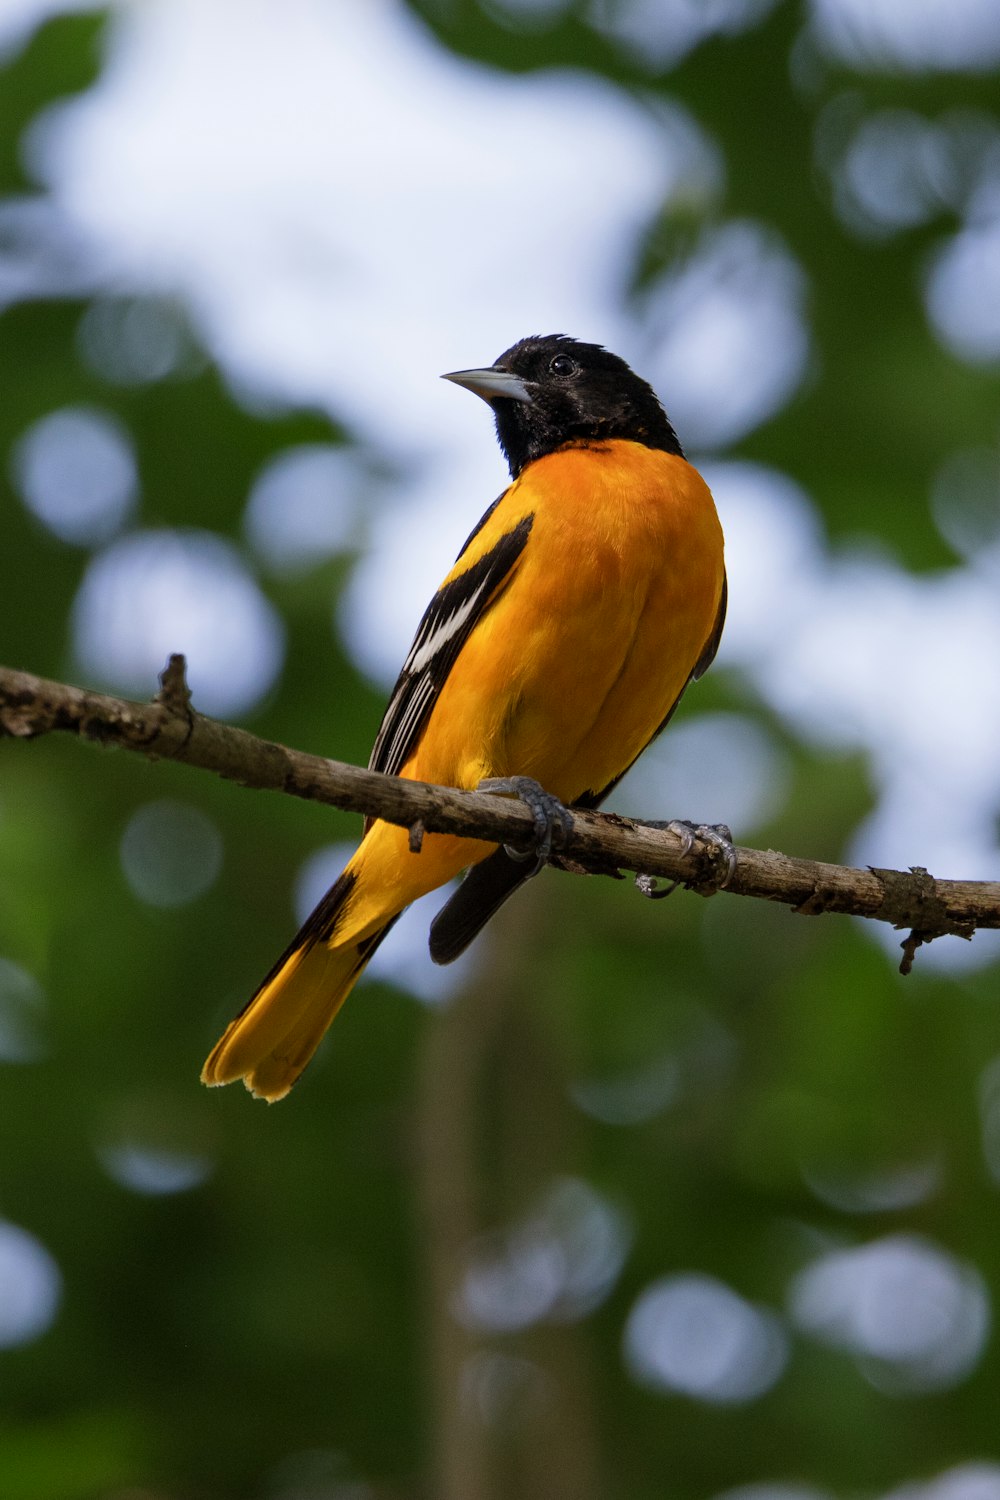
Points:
[[448, 621]]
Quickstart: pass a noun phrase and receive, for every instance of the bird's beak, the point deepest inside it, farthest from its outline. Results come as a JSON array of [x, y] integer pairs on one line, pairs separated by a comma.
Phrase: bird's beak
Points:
[[492, 384]]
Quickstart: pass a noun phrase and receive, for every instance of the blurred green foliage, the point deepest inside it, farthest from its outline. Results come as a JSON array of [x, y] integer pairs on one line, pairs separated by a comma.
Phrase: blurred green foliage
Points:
[[286, 1328]]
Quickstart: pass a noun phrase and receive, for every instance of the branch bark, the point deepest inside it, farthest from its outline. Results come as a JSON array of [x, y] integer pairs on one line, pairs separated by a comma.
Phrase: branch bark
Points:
[[598, 843]]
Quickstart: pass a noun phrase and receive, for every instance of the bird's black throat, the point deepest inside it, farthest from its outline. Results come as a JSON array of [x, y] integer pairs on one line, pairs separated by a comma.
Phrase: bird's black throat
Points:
[[579, 393]]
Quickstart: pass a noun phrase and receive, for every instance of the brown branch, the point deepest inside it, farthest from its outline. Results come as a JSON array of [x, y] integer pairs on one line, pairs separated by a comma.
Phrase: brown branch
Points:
[[598, 843]]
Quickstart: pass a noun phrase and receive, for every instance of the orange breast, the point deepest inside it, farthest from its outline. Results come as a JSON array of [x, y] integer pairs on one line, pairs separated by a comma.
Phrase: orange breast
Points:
[[577, 663]]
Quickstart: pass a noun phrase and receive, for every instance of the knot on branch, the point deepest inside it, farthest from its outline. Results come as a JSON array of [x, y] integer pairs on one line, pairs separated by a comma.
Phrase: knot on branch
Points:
[[823, 897], [912, 899], [24, 712]]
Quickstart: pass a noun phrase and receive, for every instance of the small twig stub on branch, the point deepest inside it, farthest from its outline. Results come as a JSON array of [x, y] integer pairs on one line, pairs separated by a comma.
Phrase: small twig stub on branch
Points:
[[174, 693]]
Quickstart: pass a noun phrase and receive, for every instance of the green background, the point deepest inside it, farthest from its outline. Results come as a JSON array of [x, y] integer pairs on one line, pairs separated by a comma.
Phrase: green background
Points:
[[286, 1327]]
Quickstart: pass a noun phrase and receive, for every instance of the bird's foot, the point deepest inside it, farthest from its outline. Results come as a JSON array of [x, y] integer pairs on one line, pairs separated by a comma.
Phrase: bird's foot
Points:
[[717, 836], [547, 811]]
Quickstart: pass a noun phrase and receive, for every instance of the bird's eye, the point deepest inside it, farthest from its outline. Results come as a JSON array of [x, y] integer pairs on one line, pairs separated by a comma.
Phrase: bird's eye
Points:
[[562, 365]]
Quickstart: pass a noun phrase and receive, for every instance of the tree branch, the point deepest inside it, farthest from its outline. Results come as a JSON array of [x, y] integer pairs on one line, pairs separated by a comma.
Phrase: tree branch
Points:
[[598, 843]]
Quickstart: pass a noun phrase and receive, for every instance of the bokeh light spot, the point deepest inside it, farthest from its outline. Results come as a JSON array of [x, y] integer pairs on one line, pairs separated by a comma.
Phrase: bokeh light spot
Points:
[[155, 592], [154, 1172], [527, 15], [965, 500], [30, 1286], [303, 506], [989, 1115], [155, 1144], [558, 1263], [729, 336], [171, 853], [688, 773], [22, 1014], [911, 35], [915, 1317], [875, 1192], [963, 293], [890, 171], [694, 1335], [773, 537], [702, 1054], [973, 1481], [134, 341], [657, 34], [772, 1490], [76, 472], [630, 1098]]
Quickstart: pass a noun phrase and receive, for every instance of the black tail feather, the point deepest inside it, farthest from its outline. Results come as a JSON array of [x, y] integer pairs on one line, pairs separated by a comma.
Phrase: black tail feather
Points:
[[483, 891]]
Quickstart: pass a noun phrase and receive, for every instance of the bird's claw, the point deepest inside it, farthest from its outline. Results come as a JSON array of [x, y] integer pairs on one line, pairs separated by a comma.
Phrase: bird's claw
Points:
[[547, 811], [647, 885], [717, 835]]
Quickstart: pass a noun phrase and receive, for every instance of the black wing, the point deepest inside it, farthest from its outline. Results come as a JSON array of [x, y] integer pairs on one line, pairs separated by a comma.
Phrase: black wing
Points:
[[448, 622]]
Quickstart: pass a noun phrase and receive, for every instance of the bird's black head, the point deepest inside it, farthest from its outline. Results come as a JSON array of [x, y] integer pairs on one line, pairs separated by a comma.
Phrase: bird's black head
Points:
[[546, 392]]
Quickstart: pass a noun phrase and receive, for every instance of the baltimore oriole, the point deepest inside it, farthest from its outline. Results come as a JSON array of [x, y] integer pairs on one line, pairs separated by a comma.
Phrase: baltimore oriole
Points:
[[588, 597]]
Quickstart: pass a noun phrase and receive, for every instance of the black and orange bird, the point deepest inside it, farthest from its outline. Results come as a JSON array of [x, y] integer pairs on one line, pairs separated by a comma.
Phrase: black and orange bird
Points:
[[581, 606]]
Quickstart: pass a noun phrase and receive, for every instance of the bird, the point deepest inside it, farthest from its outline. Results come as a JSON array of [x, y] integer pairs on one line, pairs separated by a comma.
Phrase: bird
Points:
[[587, 598]]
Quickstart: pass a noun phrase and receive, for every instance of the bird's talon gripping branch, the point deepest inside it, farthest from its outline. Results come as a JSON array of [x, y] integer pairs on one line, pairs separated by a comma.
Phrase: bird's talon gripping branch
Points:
[[717, 835], [547, 811]]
